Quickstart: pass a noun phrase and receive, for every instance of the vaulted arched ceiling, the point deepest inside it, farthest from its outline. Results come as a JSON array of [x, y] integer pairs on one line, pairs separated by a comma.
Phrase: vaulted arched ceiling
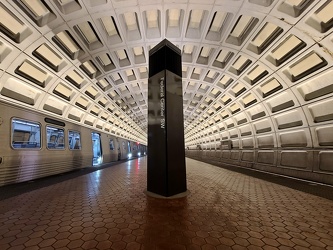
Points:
[[250, 67]]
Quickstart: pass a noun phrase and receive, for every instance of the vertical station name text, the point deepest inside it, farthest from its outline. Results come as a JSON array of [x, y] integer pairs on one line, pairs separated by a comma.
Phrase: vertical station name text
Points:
[[162, 102]]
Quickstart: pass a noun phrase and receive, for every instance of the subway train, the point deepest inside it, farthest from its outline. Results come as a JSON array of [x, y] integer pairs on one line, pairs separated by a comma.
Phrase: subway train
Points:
[[34, 145], [302, 163]]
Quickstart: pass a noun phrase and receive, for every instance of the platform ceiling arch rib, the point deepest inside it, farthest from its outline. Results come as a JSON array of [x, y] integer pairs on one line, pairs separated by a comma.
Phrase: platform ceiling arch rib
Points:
[[257, 73]]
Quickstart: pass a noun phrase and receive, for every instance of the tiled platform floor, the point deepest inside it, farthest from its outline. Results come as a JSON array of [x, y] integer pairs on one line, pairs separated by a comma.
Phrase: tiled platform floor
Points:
[[107, 209]]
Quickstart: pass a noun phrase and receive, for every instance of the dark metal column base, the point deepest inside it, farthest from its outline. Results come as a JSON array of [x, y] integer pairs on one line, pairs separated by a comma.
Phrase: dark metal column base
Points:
[[177, 196]]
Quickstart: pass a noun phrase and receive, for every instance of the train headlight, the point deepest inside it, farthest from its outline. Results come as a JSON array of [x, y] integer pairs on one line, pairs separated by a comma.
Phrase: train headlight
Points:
[[129, 155], [139, 153]]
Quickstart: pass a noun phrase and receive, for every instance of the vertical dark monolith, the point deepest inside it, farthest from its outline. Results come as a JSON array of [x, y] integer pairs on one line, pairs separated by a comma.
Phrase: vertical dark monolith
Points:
[[166, 150]]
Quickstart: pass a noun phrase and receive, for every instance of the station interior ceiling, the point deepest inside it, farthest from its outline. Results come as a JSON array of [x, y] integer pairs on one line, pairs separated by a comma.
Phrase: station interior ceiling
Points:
[[255, 72]]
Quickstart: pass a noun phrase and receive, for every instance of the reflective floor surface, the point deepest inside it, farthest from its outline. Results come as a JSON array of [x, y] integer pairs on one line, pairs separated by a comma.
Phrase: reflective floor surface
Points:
[[107, 209]]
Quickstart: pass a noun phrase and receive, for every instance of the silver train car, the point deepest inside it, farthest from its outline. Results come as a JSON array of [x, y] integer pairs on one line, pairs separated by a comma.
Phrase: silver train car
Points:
[[273, 160], [34, 145]]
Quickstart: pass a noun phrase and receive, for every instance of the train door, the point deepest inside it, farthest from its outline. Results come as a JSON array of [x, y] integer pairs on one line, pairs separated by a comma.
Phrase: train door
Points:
[[97, 148], [129, 150], [118, 149]]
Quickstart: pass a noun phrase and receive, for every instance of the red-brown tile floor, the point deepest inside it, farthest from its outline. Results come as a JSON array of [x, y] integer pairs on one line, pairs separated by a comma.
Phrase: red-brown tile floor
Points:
[[108, 209]]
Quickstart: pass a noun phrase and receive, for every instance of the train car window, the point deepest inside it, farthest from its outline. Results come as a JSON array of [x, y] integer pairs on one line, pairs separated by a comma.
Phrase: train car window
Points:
[[25, 134], [111, 144], [74, 140], [124, 145], [55, 137]]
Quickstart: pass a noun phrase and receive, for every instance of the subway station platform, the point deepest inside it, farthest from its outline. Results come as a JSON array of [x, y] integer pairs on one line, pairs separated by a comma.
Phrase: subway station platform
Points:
[[108, 209]]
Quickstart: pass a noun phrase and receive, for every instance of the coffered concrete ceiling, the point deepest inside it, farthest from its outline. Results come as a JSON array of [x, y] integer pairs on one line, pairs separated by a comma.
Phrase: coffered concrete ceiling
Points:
[[250, 67]]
